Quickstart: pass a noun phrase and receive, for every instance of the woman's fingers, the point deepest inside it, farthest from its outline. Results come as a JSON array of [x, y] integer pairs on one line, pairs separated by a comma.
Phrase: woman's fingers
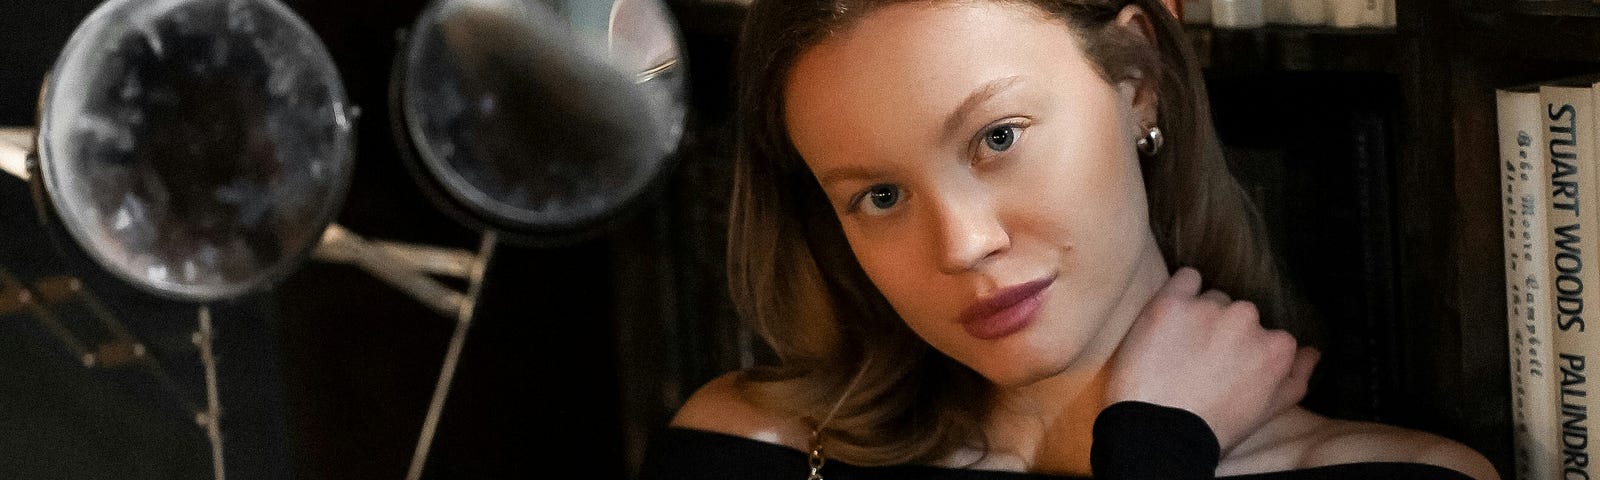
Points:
[[1293, 388], [1184, 283], [1208, 353], [1305, 361]]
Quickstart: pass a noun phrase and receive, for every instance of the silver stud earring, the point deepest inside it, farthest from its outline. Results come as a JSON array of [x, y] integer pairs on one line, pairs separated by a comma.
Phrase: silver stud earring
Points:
[[1150, 144]]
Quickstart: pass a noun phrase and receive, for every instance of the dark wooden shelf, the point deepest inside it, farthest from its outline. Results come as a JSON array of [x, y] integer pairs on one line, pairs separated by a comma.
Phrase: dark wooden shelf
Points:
[[1557, 8], [1275, 29], [1298, 48], [1520, 38]]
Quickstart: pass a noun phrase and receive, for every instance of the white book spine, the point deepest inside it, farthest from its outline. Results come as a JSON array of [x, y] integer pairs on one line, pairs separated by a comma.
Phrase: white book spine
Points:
[[1534, 415], [1569, 138]]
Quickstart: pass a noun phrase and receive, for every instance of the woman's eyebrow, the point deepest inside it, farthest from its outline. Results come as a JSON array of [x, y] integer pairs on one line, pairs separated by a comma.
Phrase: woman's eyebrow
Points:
[[982, 94], [833, 175]]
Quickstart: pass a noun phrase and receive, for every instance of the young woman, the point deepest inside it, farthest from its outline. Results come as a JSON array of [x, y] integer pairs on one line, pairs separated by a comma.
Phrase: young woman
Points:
[[974, 233]]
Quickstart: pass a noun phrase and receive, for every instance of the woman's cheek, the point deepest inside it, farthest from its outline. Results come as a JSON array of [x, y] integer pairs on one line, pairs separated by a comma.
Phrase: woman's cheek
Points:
[[878, 260], [910, 286]]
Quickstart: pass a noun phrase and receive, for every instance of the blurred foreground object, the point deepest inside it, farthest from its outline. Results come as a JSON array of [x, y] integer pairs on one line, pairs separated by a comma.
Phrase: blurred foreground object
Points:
[[195, 148], [535, 122], [539, 119]]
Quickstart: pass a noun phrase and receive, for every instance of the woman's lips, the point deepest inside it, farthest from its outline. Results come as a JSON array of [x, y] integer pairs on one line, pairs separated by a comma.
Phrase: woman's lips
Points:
[[1007, 311]]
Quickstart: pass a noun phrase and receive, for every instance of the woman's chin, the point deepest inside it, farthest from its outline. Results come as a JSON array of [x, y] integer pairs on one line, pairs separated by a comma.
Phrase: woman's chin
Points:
[[1016, 373], [1030, 359]]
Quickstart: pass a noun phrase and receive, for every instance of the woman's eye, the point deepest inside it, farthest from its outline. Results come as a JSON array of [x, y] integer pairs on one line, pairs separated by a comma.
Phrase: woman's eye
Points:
[[1001, 138], [878, 199]]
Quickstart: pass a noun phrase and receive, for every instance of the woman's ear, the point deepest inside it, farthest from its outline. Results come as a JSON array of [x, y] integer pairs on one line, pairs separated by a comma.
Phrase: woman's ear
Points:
[[1137, 26]]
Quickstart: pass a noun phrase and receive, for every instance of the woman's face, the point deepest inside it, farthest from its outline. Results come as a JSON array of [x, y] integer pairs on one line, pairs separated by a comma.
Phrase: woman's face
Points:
[[986, 178]]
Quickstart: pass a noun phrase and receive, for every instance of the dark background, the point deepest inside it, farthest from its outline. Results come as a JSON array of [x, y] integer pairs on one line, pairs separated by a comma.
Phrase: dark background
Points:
[[1371, 153]]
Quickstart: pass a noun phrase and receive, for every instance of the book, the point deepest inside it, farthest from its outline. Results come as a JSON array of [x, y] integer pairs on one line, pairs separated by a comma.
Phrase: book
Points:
[[1358, 13], [1536, 447], [1569, 137]]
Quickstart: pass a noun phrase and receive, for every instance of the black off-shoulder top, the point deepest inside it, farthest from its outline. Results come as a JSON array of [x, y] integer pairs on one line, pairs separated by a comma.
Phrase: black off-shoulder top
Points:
[[1132, 440]]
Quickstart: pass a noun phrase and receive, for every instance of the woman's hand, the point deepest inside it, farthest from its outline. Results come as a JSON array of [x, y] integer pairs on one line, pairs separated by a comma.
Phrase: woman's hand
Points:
[[1208, 354]]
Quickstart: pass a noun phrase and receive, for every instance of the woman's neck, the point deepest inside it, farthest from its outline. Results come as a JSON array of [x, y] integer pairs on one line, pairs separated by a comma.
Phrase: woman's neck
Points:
[[1046, 426]]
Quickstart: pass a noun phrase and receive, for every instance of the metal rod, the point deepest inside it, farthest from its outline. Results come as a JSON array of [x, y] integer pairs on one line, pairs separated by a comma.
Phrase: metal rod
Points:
[[14, 146], [212, 417], [394, 270], [449, 262], [36, 307], [121, 333], [656, 71], [452, 358], [67, 339], [101, 312], [166, 382]]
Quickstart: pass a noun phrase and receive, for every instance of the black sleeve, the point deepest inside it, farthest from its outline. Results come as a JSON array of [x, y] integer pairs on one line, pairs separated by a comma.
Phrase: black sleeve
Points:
[[1137, 440], [679, 454]]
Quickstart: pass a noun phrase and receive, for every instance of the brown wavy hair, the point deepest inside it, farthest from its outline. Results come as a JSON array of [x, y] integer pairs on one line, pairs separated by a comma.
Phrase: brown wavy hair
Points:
[[881, 393]]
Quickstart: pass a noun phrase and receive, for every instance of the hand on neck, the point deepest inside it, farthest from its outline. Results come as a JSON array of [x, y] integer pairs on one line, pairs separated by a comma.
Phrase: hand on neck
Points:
[[1046, 426]]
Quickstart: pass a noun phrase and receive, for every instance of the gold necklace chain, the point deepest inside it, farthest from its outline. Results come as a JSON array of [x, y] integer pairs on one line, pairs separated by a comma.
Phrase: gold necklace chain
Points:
[[814, 456]]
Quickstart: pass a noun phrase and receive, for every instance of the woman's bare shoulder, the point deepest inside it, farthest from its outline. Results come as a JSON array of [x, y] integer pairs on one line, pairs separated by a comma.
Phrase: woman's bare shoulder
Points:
[[1305, 440], [1345, 441], [721, 406]]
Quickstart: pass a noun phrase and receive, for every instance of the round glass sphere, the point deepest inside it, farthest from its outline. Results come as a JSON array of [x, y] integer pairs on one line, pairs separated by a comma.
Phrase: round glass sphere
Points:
[[196, 148], [543, 116]]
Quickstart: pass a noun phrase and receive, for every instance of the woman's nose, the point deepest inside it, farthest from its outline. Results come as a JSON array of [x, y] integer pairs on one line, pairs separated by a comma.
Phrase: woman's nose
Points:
[[970, 233]]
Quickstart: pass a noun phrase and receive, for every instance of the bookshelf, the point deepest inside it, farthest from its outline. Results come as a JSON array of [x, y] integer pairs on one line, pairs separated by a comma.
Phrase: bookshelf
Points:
[[1415, 321], [1449, 335], [1432, 333], [1447, 340], [1487, 45]]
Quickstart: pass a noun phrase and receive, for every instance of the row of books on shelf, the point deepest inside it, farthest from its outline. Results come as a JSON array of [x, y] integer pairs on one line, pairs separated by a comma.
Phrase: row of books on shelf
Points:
[[1550, 177], [1259, 13]]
